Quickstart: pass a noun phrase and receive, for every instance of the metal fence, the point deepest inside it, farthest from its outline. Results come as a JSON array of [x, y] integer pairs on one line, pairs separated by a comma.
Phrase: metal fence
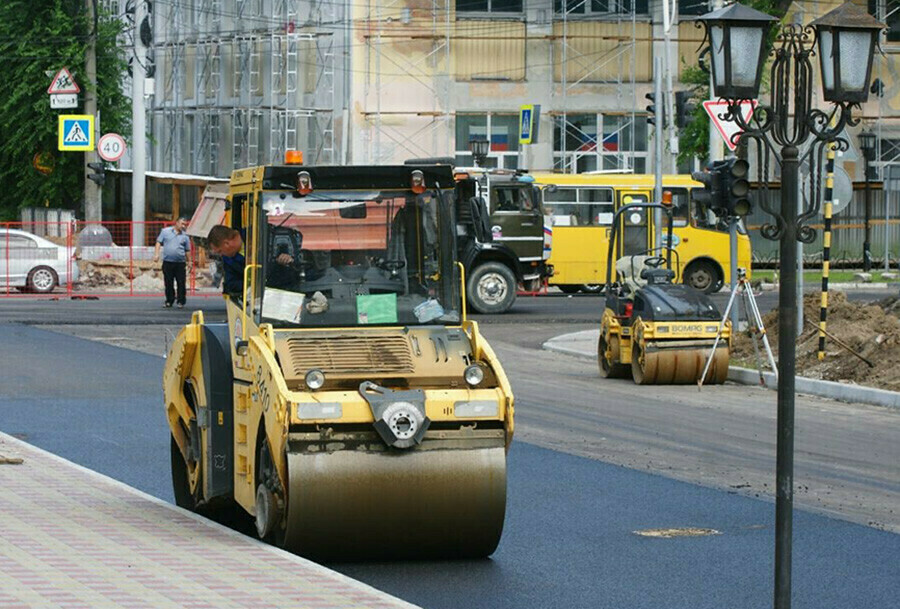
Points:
[[92, 259], [848, 231]]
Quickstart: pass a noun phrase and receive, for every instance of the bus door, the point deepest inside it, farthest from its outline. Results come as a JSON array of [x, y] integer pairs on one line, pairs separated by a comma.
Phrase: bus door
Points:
[[636, 226], [517, 220]]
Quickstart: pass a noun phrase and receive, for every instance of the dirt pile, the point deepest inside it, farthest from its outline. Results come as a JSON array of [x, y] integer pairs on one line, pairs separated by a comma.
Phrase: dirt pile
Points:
[[871, 330], [118, 275]]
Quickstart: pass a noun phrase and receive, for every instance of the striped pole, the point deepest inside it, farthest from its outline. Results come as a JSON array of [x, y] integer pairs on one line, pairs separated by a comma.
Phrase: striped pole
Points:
[[826, 249]]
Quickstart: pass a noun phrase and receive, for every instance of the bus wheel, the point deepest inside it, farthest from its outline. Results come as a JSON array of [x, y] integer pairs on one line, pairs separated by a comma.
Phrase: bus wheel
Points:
[[569, 289], [592, 288], [491, 288], [702, 275]]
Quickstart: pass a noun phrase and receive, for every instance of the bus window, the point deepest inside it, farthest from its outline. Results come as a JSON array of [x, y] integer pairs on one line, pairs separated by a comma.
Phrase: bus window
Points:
[[561, 206], [634, 226], [580, 206], [680, 206], [701, 216], [600, 203]]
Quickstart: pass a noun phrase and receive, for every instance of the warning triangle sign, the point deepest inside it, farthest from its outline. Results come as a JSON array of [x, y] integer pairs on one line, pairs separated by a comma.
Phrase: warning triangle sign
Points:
[[728, 129], [76, 135], [63, 82]]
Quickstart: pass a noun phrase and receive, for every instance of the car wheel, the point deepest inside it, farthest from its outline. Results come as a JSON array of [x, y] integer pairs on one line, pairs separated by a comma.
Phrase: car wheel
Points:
[[491, 288], [702, 275], [42, 279]]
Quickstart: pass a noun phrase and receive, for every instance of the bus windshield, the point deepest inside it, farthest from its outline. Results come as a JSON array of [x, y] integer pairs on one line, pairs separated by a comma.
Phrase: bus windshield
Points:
[[351, 258]]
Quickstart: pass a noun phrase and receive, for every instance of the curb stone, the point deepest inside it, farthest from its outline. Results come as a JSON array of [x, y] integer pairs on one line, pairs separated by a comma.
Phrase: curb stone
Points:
[[581, 345]]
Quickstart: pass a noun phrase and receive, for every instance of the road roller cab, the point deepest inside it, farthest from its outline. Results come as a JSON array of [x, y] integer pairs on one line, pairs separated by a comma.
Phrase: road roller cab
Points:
[[347, 406], [654, 330]]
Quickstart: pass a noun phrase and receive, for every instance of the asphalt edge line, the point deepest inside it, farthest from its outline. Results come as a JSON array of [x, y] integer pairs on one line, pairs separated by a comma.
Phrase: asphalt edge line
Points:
[[841, 392], [353, 583]]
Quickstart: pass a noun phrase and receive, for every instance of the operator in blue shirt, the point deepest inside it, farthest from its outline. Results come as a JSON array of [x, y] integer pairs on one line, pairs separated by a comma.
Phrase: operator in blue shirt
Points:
[[229, 244], [176, 246]]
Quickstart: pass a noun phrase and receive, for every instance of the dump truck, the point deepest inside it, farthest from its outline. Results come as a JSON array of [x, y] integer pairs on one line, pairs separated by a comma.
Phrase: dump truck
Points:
[[348, 409]]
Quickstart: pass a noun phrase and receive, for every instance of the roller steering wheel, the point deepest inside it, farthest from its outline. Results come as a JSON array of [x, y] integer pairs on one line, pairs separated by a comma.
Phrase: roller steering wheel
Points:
[[654, 262], [392, 266]]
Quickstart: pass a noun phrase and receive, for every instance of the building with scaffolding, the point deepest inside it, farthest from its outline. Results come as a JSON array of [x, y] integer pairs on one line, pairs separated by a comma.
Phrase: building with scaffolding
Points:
[[238, 82]]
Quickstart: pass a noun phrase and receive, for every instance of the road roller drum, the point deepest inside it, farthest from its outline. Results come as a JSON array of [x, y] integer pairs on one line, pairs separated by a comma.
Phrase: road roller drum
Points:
[[354, 505], [655, 365]]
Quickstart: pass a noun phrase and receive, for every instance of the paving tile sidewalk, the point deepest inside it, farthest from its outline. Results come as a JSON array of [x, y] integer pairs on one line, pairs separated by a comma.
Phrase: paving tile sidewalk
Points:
[[70, 537]]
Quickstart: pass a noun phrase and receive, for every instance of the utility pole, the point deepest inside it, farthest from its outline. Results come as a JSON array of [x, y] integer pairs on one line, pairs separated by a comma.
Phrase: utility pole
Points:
[[138, 129], [658, 141], [668, 15], [716, 145], [93, 208]]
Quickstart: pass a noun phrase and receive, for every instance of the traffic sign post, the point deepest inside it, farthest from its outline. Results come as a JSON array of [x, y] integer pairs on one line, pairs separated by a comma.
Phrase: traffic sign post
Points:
[[728, 129], [76, 132], [111, 147], [63, 83]]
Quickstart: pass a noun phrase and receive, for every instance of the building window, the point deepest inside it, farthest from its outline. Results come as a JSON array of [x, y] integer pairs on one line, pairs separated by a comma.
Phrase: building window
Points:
[[501, 129], [889, 14], [693, 7], [488, 6], [620, 146], [577, 8]]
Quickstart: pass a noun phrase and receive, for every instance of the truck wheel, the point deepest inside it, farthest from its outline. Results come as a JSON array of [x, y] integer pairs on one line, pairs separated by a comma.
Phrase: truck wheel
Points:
[[42, 279], [491, 288], [702, 275]]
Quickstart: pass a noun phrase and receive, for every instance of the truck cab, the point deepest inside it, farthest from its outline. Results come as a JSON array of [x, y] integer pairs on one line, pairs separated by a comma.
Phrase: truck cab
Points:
[[516, 249]]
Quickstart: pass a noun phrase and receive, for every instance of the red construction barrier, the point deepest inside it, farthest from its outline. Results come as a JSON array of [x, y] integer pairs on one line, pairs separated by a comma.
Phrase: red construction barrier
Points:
[[92, 259]]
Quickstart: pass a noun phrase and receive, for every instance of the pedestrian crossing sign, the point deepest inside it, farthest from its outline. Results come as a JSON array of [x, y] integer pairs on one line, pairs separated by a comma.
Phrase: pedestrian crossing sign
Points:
[[76, 132]]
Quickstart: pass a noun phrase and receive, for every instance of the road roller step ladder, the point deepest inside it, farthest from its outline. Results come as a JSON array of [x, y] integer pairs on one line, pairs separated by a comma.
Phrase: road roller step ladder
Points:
[[757, 329]]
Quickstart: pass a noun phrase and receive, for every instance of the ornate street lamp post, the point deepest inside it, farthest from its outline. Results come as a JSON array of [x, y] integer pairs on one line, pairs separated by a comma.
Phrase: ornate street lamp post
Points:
[[867, 141], [846, 39]]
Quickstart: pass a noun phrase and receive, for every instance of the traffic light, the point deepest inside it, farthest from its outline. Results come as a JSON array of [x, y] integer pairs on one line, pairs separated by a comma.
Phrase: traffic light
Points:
[[737, 188], [100, 173], [683, 109], [710, 196], [651, 109], [726, 188]]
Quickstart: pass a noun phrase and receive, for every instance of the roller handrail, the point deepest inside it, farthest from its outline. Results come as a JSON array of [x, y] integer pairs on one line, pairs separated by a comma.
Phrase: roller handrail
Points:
[[615, 228]]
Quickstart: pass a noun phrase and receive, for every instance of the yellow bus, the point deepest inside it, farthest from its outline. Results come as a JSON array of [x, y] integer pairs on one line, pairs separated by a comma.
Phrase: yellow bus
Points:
[[581, 208]]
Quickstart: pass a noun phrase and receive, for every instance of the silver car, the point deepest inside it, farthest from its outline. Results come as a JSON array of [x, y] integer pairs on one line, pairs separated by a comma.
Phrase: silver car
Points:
[[32, 263]]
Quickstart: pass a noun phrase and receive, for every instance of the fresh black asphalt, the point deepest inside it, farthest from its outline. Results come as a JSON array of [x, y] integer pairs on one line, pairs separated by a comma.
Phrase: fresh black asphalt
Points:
[[569, 539]]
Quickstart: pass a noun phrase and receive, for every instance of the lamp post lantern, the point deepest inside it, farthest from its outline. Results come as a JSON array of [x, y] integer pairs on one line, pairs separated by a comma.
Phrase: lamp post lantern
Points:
[[479, 149], [867, 143], [846, 39]]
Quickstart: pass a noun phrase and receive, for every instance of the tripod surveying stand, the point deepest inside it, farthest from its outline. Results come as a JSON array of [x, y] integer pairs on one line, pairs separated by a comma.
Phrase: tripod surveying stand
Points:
[[743, 287]]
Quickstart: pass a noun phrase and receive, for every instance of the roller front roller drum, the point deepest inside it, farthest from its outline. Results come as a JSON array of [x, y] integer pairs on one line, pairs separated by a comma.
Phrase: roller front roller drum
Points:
[[358, 505], [653, 365]]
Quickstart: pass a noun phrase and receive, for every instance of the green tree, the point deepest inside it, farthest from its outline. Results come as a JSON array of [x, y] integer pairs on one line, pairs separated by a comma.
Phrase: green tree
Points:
[[38, 36], [693, 140]]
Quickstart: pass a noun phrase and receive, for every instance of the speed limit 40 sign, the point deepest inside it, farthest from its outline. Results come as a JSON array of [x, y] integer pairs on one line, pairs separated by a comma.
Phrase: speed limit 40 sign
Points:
[[111, 147]]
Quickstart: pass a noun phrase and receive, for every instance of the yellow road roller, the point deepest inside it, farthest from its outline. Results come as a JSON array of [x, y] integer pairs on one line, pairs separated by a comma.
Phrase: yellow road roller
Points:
[[656, 331], [348, 409]]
